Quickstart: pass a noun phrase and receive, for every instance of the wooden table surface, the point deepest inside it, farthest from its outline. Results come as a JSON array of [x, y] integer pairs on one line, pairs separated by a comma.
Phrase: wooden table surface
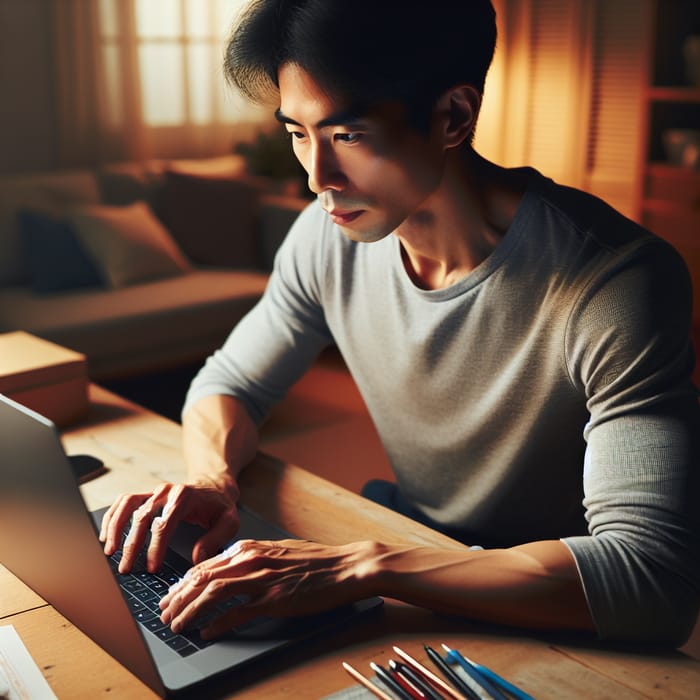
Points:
[[141, 449]]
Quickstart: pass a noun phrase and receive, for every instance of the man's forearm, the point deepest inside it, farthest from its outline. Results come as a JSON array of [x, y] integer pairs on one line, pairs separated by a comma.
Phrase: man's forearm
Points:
[[219, 439], [533, 585]]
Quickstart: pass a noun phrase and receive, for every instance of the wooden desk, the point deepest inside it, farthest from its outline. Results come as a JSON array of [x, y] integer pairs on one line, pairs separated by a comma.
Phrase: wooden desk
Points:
[[141, 449]]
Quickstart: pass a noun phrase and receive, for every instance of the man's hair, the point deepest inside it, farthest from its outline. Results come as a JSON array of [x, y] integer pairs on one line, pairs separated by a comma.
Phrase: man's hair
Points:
[[367, 51]]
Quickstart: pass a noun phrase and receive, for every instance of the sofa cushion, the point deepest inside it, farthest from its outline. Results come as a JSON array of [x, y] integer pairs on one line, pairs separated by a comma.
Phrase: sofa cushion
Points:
[[56, 260], [52, 193], [212, 219], [128, 243]]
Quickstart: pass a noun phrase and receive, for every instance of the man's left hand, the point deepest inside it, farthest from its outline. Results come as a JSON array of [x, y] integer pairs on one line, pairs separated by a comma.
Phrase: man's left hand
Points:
[[285, 578]]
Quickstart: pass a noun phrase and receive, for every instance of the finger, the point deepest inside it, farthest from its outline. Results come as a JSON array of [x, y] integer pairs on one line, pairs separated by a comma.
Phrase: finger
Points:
[[140, 523], [116, 519], [163, 526], [106, 517], [219, 576], [189, 601], [196, 573], [225, 527]]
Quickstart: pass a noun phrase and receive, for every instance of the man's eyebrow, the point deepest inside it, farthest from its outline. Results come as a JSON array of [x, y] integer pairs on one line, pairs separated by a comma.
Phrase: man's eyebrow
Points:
[[343, 118]]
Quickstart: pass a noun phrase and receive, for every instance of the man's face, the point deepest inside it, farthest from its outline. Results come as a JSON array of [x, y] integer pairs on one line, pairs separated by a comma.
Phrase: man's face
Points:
[[371, 172]]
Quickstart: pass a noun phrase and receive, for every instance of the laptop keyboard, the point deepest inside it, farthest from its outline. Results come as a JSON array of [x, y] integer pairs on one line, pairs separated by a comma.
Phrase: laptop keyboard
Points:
[[143, 591]]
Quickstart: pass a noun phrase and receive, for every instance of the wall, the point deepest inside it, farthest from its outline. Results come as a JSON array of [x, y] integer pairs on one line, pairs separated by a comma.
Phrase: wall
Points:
[[27, 138]]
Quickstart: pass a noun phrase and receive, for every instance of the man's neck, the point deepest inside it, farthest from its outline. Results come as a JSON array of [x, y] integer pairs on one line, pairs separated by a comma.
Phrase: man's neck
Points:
[[462, 222]]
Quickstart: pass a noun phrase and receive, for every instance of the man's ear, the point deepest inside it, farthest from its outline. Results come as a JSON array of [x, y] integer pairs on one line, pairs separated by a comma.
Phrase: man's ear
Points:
[[455, 113]]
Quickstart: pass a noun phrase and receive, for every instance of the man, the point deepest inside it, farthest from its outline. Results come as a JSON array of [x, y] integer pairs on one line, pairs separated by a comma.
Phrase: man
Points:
[[523, 350]]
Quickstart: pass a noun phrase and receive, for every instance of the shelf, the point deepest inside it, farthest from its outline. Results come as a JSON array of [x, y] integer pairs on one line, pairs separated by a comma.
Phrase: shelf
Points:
[[666, 170], [662, 93]]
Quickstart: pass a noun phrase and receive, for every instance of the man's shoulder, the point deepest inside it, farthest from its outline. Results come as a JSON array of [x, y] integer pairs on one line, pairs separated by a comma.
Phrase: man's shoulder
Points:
[[591, 217]]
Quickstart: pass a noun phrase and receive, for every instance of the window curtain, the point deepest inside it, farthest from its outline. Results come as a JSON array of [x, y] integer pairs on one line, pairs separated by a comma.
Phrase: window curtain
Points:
[[138, 79], [565, 93], [80, 134]]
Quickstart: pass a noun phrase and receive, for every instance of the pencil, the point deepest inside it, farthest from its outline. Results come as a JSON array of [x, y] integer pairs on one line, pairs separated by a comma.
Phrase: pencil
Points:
[[390, 682], [366, 682], [412, 675], [427, 673], [450, 674]]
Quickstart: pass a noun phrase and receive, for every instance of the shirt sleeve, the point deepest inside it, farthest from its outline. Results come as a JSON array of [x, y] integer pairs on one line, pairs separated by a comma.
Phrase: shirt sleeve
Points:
[[628, 349], [272, 346]]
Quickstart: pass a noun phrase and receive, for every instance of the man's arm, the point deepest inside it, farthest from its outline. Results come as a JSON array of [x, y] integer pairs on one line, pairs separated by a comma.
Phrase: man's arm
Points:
[[629, 351], [531, 585], [534, 585], [219, 439]]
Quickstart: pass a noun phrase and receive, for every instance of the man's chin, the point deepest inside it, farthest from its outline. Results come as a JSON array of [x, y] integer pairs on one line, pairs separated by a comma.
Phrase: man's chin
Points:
[[364, 235]]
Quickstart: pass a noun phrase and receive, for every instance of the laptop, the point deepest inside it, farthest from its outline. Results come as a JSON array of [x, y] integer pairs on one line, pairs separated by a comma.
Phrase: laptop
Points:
[[48, 539]]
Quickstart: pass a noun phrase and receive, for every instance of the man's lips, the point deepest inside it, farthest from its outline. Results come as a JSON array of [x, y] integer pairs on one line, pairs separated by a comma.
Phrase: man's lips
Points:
[[343, 217]]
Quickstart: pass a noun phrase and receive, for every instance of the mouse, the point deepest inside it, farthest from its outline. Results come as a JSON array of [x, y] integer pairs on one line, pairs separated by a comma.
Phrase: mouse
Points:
[[86, 467]]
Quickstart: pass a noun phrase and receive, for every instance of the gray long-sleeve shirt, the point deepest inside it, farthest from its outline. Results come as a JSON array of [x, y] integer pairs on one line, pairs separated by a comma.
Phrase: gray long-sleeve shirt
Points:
[[545, 395]]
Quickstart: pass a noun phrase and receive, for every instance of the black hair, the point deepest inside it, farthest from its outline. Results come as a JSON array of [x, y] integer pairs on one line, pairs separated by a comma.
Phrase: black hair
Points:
[[368, 51]]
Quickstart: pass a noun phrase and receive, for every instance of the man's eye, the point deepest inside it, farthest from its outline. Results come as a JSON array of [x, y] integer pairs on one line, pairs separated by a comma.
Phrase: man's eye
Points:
[[296, 135], [349, 137]]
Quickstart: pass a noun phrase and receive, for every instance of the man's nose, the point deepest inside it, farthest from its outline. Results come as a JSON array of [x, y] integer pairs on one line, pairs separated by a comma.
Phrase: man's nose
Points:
[[324, 170]]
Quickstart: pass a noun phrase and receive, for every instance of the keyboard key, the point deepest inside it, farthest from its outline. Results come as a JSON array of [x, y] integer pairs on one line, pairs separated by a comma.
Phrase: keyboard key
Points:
[[177, 643], [165, 633], [188, 650], [147, 596], [158, 586], [145, 616], [133, 585], [135, 605], [154, 624]]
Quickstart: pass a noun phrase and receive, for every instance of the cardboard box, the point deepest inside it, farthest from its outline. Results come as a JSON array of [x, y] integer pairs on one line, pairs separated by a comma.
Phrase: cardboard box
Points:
[[43, 376]]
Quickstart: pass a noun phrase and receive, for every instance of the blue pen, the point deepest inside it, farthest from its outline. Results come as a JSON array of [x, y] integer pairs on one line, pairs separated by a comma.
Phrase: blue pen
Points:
[[457, 658], [485, 675]]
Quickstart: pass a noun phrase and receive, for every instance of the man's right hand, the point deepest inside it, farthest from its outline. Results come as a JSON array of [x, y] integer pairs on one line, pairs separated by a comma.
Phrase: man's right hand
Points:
[[159, 512]]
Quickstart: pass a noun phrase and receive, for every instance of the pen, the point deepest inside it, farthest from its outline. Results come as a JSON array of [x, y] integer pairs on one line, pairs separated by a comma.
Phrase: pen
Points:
[[366, 682], [413, 677], [493, 677], [393, 685], [479, 678], [427, 673], [449, 673]]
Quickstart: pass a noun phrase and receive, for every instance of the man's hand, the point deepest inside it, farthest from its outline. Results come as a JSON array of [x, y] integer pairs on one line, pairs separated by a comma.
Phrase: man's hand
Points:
[[211, 507], [277, 579], [219, 439]]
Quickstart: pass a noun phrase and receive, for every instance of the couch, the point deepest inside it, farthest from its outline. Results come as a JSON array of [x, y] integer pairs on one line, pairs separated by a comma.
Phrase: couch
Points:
[[140, 266]]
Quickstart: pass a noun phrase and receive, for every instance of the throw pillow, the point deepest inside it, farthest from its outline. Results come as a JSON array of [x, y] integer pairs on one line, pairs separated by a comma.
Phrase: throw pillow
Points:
[[212, 219], [129, 243], [56, 260]]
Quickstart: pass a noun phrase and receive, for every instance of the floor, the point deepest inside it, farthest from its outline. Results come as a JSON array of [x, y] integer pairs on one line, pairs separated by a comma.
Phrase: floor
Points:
[[322, 425]]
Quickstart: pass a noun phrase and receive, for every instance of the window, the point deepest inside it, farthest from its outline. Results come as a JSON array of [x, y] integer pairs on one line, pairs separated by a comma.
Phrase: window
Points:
[[161, 63]]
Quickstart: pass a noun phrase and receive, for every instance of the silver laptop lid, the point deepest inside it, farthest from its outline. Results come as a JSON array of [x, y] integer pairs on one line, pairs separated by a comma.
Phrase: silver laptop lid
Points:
[[48, 539]]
